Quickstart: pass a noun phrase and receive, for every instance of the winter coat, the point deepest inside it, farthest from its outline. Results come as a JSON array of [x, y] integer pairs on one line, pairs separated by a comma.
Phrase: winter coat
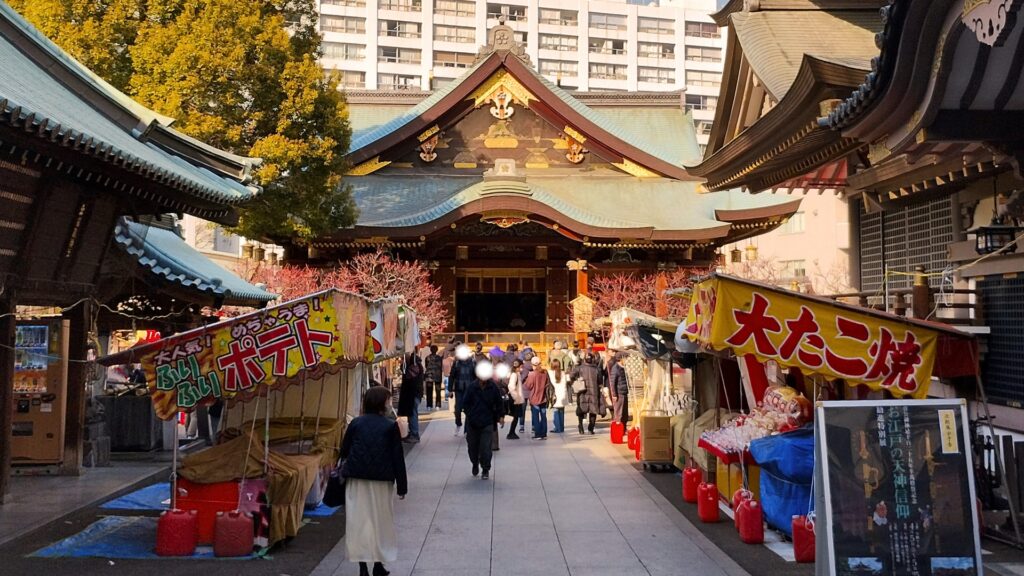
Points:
[[412, 386], [482, 404], [561, 399], [536, 386], [462, 377], [617, 381], [563, 357], [372, 450], [515, 388], [590, 401], [433, 368]]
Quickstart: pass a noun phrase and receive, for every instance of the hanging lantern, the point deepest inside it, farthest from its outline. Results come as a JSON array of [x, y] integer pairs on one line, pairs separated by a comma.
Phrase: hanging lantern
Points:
[[272, 257], [736, 255], [995, 237], [751, 252], [258, 253], [247, 251]]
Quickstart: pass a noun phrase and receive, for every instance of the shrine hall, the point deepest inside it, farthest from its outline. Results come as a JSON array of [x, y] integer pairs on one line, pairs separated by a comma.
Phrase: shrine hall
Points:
[[514, 190]]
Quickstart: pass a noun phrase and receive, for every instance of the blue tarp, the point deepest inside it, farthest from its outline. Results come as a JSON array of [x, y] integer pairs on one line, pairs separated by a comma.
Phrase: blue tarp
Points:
[[158, 497], [119, 537], [787, 472]]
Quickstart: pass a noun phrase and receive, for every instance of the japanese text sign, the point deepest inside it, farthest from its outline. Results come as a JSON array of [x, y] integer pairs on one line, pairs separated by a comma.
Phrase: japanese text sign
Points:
[[897, 493], [244, 355], [813, 336]]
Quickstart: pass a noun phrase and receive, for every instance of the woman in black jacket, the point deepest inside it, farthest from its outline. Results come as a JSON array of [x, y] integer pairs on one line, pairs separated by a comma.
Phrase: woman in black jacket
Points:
[[374, 463], [410, 394], [589, 402]]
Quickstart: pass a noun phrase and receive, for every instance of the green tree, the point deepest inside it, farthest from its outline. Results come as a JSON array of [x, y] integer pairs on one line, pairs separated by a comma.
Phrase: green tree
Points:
[[239, 74]]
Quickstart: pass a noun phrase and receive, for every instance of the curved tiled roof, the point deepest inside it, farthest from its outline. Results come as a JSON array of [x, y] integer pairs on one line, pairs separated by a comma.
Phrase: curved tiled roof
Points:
[[33, 98], [166, 255]]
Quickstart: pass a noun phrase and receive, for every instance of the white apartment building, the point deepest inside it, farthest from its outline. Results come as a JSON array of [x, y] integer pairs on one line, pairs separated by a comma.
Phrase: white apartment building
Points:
[[596, 45]]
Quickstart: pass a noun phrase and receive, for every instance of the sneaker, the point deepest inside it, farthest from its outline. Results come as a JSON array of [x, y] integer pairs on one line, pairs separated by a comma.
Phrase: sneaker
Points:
[[457, 430], [522, 430], [485, 475], [476, 469]]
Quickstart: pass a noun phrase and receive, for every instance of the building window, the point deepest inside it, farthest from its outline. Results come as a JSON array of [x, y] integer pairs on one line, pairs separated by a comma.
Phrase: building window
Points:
[[399, 55], [460, 34], [704, 128], [703, 54], [701, 78], [559, 17], [656, 26], [453, 59], [607, 21], [794, 225], [349, 3], [603, 46], [511, 13], [401, 5], [657, 50], [656, 75], [698, 102], [224, 241], [793, 269], [351, 79], [702, 30], [607, 71], [344, 24], [399, 29], [397, 82], [557, 42], [344, 51], [559, 68], [454, 8]]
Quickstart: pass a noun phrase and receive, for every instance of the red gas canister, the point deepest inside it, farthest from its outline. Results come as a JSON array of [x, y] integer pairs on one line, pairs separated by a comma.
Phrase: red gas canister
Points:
[[691, 480], [177, 532], [750, 521], [618, 431], [233, 534], [737, 498], [803, 539], [633, 438], [707, 502]]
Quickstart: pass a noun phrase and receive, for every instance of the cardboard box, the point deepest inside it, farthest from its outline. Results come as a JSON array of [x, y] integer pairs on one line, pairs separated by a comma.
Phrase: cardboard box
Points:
[[659, 427], [729, 479], [656, 449]]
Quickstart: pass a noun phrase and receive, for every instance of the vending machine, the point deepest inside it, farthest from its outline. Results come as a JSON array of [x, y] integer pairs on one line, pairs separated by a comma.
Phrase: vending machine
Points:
[[40, 387]]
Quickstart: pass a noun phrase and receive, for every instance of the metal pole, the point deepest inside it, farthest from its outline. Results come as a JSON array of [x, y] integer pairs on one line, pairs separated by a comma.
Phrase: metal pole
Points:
[[174, 463]]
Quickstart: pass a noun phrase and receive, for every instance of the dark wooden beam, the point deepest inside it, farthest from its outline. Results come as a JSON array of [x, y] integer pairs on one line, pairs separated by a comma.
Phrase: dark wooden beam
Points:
[[7, 324], [977, 76], [976, 126], [74, 426]]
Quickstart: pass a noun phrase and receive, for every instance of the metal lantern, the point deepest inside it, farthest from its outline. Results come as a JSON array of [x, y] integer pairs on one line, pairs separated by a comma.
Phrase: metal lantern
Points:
[[995, 237], [736, 255], [751, 252]]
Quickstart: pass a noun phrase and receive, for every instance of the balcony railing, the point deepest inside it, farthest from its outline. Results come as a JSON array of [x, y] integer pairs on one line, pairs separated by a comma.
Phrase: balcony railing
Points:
[[560, 21], [957, 307], [511, 17], [616, 51], [401, 34], [400, 6]]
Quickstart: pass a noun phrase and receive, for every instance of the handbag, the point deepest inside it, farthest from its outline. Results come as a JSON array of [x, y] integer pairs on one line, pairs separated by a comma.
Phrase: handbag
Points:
[[579, 386], [334, 494]]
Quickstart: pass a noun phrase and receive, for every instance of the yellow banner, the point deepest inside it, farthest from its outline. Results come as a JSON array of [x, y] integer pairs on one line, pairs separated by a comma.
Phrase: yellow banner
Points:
[[813, 336], [243, 355]]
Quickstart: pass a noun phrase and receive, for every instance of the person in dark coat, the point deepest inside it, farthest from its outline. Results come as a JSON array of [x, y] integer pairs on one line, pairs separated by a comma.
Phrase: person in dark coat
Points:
[[373, 467], [590, 402], [484, 413], [618, 387], [463, 376], [410, 394], [433, 371]]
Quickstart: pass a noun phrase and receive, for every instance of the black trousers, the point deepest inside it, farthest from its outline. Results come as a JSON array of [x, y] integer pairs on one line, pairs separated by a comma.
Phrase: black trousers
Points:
[[583, 417], [458, 411], [479, 442], [517, 417], [433, 393]]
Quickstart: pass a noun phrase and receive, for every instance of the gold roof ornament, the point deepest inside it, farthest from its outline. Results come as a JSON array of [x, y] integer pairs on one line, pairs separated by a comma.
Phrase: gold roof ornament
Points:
[[502, 38]]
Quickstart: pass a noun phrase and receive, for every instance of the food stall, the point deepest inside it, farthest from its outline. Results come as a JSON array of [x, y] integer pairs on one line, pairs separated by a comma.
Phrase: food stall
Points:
[[290, 377], [790, 352]]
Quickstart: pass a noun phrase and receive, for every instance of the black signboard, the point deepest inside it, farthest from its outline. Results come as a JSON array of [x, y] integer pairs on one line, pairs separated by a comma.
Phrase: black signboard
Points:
[[897, 489]]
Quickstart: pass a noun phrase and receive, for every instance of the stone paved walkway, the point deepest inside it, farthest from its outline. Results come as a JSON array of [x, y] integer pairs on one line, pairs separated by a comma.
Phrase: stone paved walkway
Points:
[[570, 505]]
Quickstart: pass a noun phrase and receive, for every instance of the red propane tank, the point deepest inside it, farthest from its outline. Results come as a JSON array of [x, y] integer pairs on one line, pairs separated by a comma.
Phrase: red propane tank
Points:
[[691, 480], [233, 534], [737, 498], [633, 438], [750, 521], [803, 539], [618, 431], [177, 532], [707, 502]]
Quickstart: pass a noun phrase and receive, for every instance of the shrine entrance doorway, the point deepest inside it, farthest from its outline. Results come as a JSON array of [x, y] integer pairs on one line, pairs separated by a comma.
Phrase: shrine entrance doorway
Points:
[[501, 300]]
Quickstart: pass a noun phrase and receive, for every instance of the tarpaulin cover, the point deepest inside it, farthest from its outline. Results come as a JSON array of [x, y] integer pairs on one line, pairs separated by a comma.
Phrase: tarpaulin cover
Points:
[[787, 471], [158, 497], [289, 478], [120, 537]]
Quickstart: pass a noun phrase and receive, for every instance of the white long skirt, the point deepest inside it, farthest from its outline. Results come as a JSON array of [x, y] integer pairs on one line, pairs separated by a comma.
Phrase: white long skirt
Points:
[[370, 521]]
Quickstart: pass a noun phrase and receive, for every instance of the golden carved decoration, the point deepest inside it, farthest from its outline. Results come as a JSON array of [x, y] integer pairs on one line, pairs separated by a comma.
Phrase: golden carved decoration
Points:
[[570, 132], [537, 159], [499, 136], [427, 146], [877, 152], [502, 109], [501, 81], [505, 218], [634, 169], [433, 130], [368, 167], [575, 152]]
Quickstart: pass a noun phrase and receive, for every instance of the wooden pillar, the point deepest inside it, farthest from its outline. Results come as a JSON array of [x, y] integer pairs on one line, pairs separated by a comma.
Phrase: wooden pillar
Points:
[[7, 324], [660, 304], [76, 393], [921, 295], [582, 289]]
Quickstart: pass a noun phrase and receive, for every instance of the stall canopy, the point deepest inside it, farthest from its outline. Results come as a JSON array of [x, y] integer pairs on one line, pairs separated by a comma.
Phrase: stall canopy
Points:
[[634, 330], [828, 338], [246, 356]]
